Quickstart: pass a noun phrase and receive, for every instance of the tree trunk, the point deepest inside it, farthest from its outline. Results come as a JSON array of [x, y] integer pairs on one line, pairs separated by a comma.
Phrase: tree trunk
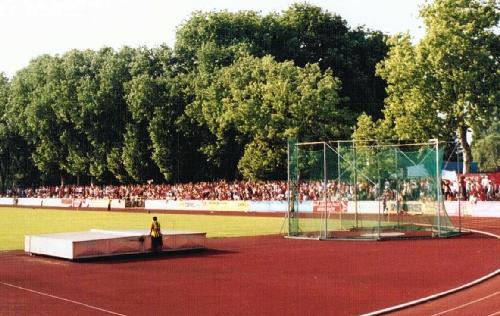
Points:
[[462, 134]]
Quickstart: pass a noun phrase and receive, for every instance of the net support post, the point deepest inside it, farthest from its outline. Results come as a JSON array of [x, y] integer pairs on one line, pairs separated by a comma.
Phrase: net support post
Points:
[[438, 186], [325, 190]]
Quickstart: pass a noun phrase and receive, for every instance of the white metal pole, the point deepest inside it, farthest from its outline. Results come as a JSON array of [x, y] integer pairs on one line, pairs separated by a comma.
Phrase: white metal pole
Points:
[[379, 193], [355, 183], [459, 193], [397, 183], [438, 188], [324, 189], [338, 184], [288, 182]]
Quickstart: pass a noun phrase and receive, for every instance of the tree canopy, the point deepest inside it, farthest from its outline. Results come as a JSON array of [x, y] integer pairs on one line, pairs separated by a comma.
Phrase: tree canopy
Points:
[[486, 148], [261, 103], [223, 102], [304, 33], [446, 84]]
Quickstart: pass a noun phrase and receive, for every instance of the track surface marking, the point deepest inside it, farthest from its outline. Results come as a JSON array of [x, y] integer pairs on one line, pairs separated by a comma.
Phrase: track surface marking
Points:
[[267, 275], [481, 299], [454, 300], [62, 299]]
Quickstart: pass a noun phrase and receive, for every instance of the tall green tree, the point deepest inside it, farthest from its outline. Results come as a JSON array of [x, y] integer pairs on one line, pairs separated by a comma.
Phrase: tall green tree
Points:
[[210, 42], [117, 116], [206, 38], [255, 104], [309, 34], [34, 92], [65, 75], [303, 33], [16, 167], [486, 148], [155, 100], [448, 83]]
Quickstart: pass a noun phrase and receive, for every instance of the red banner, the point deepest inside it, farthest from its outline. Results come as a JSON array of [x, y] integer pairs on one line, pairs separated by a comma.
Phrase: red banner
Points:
[[330, 206]]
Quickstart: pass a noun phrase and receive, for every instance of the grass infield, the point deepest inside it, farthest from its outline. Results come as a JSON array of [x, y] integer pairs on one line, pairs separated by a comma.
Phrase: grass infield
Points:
[[17, 222]]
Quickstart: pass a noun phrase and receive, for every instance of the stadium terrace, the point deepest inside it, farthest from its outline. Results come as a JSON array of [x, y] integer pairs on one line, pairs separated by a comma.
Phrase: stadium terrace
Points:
[[474, 188]]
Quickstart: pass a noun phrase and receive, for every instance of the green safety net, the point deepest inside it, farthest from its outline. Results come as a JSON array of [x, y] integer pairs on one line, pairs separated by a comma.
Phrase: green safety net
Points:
[[366, 191]]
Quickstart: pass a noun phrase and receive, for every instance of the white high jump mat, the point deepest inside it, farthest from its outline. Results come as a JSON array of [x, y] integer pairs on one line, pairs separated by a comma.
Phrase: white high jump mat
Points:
[[102, 243]]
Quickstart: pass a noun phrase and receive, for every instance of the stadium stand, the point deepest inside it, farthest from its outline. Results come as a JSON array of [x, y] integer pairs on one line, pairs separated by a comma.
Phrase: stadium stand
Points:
[[470, 187]]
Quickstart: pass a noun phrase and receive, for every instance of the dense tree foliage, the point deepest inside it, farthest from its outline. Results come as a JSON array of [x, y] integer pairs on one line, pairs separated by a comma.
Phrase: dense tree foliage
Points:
[[304, 34], [105, 114], [212, 46], [448, 83], [16, 167], [261, 103], [237, 85], [486, 148]]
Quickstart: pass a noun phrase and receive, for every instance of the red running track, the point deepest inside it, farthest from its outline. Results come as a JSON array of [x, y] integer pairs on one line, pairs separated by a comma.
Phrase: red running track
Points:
[[247, 276], [482, 298], [486, 224], [479, 300]]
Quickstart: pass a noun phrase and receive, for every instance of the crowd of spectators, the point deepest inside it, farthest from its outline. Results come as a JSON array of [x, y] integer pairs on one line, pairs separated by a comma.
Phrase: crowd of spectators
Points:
[[216, 190], [472, 189]]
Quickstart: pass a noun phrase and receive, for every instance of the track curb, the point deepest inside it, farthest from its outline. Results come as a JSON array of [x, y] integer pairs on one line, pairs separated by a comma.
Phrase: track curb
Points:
[[441, 294]]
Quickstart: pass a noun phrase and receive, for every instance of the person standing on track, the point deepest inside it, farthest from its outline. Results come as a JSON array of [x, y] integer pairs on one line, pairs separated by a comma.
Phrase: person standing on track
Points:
[[156, 236]]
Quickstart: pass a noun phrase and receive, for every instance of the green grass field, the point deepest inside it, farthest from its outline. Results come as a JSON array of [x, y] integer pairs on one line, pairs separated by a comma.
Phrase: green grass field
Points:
[[17, 222]]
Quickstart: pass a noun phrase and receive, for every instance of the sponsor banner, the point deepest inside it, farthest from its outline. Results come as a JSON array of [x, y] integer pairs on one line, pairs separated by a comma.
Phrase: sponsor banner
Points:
[[51, 202], [155, 204], [67, 202], [429, 208], [99, 203], [7, 201], [451, 208], [268, 206], [80, 203], [330, 206], [117, 203], [238, 206], [305, 206], [467, 208], [368, 207], [374, 207], [235, 206], [30, 202], [478, 209], [485, 209], [76, 202], [189, 205], [208, 205], [174, 205]]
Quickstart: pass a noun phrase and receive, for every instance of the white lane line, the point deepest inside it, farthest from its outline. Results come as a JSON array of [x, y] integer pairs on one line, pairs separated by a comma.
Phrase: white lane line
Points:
[[497, 313], [432, 297], [482, 232], [62, 299], [467, 304]]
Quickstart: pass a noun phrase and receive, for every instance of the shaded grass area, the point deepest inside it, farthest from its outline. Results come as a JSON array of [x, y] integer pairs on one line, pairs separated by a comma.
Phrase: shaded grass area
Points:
[[17, 222]]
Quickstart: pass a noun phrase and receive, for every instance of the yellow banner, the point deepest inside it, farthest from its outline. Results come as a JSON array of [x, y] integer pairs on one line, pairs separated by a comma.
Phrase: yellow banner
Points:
[[208, 205], [235, 206]]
